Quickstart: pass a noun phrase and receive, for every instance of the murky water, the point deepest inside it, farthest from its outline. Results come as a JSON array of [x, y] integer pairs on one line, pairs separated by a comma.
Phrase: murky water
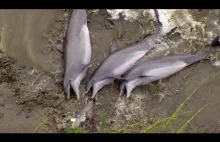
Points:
[[21, 35]]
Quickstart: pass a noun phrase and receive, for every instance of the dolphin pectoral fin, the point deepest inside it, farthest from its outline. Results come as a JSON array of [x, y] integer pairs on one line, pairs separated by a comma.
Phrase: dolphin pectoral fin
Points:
[[143, 76], [90, 64], [60, 47], [114, 46], [119, 78]]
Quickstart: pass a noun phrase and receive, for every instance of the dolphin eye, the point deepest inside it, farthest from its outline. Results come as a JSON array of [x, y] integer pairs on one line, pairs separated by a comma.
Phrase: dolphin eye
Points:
[[69, 82]]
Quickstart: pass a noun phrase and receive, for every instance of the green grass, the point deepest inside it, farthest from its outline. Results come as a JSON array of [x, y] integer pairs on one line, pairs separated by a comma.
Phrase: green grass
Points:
[[163, 123], [102, 119], [125, 129], [173, 117], [43, 123], [158, 125], [69, 128], [190, 120]]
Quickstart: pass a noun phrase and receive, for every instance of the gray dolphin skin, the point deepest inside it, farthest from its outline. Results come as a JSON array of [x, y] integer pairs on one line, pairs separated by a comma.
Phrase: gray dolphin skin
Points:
[[153, 70], [77, 51], [120, 61]]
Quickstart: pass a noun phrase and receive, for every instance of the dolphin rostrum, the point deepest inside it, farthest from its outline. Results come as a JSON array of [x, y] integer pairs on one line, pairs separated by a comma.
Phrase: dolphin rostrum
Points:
[[120, 61], [77, 51], [147, 72]]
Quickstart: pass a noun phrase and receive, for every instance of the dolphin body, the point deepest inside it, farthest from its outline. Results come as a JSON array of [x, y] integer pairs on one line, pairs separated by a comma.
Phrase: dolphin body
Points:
[[153, 70], [120, 61], [77, 51]]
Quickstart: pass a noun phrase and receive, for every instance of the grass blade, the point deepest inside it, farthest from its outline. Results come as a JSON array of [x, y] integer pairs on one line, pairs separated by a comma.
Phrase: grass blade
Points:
[[190, 120]]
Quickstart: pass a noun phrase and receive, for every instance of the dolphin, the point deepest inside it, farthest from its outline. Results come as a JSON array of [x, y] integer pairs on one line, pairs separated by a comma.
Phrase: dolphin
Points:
[[77, 51], [120, 61], [149, 71]]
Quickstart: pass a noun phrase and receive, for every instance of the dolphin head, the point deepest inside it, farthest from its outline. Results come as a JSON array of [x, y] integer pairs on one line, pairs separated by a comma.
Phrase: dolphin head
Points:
[[66, 86], [71, 83]]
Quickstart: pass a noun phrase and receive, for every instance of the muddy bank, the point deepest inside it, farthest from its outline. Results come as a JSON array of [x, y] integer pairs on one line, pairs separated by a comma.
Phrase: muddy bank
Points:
[[32, 98]]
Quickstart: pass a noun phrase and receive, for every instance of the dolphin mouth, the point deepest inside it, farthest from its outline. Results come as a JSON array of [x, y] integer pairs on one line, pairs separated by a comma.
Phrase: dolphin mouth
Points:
[[75, 87], [72, 86], [67, 89]]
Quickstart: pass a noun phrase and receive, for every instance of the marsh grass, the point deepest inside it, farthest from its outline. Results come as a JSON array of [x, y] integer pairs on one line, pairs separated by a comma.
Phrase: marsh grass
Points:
[[43, 123], [158, 125], [162, 124], [175, 114], [190, 120], [126, 129], [102, 119], [70, 129]]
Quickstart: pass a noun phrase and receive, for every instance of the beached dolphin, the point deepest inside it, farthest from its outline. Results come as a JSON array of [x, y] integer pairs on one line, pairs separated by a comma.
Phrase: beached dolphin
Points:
[[77, 51], [120, 61], [149, 71]]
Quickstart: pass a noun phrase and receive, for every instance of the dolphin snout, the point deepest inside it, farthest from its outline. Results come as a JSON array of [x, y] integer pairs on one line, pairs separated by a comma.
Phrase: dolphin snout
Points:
[[122, 87], [75, 87], [67, 89]]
